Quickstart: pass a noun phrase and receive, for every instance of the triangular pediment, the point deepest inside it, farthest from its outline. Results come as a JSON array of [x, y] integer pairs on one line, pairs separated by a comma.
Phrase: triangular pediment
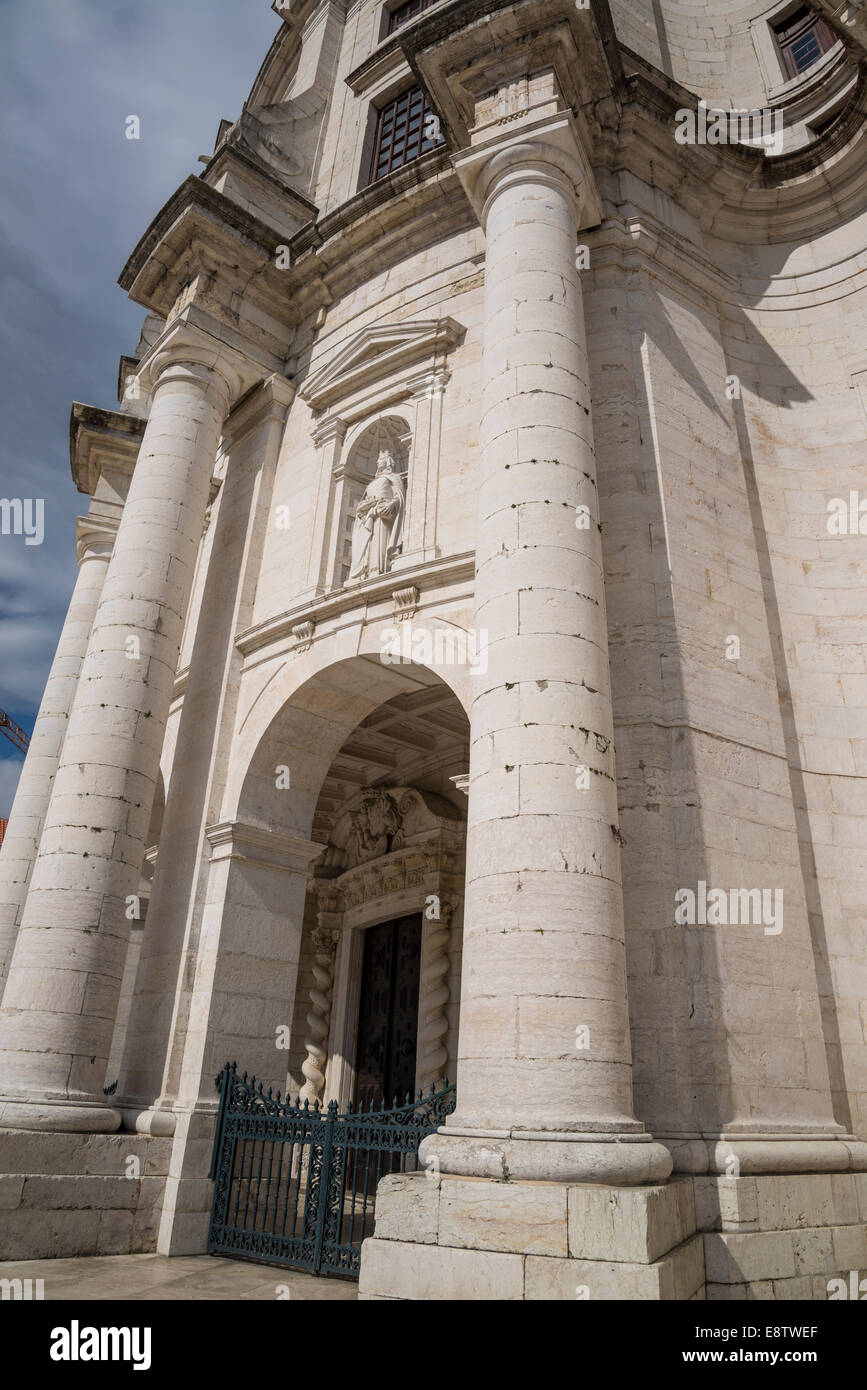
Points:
[[376, 352]]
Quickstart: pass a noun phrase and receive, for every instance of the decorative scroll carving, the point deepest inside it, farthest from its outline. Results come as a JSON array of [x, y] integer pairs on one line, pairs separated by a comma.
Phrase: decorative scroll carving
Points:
[[319, 1016], [434, 996], [405, 603]]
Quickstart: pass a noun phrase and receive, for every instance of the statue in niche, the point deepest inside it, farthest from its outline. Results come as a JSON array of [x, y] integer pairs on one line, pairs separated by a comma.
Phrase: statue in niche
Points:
[[378, 526]]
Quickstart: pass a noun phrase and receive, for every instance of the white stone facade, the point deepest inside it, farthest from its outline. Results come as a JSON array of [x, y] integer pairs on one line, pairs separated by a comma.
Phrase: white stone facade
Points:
[[600, 654]]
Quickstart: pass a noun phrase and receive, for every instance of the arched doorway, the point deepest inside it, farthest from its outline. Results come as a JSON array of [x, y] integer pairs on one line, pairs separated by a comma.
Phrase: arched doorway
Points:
[[377, 978], [379, 972]]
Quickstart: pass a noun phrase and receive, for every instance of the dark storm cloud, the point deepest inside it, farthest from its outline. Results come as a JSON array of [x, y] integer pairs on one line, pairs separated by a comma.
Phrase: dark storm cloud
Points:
[[77, 195]]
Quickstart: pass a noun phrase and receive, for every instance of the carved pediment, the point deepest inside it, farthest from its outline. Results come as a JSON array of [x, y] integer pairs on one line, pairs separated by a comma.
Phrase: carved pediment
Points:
[[376, 352]]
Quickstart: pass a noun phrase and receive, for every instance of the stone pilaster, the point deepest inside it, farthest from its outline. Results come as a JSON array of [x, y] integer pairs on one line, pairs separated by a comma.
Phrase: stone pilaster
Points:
[[61, 995], [20, 846], [327, 517], [243, 996]]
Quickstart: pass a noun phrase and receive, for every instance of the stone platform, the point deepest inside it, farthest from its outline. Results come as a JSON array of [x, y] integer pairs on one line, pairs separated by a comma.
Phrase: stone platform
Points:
[[762, 1237], [79, 1194]]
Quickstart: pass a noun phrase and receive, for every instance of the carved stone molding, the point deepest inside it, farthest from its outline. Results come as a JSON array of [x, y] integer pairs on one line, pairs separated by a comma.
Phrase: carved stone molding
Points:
[[405, 603], [254, 844], [376, 352], [303, 635]]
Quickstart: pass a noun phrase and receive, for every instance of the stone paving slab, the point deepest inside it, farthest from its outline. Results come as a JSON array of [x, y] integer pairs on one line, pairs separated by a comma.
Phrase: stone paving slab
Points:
[[147, 1278]]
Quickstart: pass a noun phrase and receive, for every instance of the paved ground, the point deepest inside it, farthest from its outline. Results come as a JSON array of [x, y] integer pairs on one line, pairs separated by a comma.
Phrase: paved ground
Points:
[[141, 1278]]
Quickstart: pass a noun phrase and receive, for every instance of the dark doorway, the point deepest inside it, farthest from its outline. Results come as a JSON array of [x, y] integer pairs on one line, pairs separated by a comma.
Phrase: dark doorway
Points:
[[388, 1013]]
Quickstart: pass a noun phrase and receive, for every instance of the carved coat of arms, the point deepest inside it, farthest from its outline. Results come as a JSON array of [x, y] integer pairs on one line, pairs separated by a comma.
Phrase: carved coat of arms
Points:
[[375, 828]]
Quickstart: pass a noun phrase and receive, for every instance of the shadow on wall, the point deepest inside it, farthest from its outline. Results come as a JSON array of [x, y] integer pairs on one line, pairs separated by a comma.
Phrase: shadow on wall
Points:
[[686, 1059]]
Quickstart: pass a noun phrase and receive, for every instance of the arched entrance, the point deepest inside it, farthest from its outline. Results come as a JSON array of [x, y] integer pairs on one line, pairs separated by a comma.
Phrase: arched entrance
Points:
[[379, 973], [378, 978]]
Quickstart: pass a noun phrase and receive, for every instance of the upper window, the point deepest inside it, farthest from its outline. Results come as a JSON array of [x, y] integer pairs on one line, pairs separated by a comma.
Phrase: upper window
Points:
[[406, 127], [802, 38], [404, 13]]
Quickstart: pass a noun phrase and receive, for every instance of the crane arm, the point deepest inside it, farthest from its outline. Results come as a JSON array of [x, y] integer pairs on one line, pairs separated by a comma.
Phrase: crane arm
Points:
[[14, 732]]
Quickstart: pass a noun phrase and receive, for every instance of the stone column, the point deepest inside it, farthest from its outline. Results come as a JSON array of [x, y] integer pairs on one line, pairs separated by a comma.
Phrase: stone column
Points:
[[319, 1014], [62, 992], [94, 544], [544, 1066]]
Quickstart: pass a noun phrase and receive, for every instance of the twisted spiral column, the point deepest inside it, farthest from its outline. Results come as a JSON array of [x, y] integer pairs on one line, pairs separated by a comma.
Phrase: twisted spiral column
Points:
[[319, 1016], [434, 998]]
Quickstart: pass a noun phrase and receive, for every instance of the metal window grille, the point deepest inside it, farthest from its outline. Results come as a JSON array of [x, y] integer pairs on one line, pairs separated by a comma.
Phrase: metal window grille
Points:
[[406, 128], [404, 13], [802, 38]]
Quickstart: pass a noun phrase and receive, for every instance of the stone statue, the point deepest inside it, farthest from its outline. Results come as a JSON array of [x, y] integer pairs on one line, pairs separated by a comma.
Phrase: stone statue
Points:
[[378, 525]]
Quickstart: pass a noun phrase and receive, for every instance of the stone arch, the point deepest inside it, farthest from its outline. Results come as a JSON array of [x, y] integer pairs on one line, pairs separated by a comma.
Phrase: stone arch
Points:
[[301, 725]]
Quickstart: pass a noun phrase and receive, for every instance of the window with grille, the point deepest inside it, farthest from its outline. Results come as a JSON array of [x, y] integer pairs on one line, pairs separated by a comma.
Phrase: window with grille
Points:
[[405, 128], [802, 38], [404, 13]]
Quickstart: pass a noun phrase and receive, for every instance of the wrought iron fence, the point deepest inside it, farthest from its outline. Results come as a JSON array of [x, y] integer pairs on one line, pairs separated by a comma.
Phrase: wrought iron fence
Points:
[[296, 1185]]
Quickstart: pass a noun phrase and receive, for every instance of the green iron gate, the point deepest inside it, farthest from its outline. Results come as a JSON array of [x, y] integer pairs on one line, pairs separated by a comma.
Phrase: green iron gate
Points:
[[294, 1184]]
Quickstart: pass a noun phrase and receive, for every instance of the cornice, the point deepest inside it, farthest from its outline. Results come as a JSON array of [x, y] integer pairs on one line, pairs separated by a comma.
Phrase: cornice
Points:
[[98, 438], [227, 154], [460, 49], [272, 849], [426, 577], [739, 193], [195, 194], [370, 199], [384, 57], [378, 227]]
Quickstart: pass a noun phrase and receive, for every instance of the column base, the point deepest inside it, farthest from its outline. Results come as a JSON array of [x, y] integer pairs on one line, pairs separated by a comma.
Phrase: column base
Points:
[[63, 1116], [624, 1159], [739, 1155]]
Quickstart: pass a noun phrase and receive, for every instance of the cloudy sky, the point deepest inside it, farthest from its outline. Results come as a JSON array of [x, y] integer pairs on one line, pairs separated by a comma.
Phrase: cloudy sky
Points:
[[77, 195]]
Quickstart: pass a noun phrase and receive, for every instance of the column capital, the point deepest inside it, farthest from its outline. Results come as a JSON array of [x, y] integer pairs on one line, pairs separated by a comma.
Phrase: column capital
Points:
[[184, 345], [330, 430], [269, 403], [546, 148], [94, 538]]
